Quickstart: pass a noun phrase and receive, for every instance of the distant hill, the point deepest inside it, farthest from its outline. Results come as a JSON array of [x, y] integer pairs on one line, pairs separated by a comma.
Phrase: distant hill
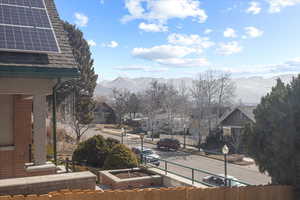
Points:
[[248, 90]]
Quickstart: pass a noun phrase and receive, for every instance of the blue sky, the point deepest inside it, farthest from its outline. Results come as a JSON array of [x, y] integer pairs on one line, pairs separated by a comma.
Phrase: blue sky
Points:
[[180, 38]]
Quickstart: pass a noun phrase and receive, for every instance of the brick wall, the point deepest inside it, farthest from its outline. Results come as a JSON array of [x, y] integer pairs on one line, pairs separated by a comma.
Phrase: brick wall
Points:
[[12, 161]]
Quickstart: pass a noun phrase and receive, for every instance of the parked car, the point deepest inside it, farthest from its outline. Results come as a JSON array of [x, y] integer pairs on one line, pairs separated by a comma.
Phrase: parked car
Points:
[[148, 155], [168, 143], [219, 181]]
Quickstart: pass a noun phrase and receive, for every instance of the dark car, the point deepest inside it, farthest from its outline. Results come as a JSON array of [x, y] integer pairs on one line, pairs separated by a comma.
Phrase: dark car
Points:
[[168, 143]]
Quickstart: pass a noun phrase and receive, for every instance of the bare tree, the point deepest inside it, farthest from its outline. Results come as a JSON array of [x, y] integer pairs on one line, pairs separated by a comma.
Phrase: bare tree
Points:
[[184, 103], [205, 90], [226, 91], [170, 103], [212, 89], [133, 104], [151, 102], [120, 103]]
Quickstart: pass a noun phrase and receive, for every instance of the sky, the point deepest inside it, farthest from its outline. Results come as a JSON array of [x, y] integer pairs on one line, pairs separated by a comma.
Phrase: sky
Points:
[[181, 38]]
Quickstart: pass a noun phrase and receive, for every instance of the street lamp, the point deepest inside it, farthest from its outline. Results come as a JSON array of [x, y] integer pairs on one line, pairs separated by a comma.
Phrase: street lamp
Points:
[[122, 135], [184, 136], [225, 151], [142, 135]]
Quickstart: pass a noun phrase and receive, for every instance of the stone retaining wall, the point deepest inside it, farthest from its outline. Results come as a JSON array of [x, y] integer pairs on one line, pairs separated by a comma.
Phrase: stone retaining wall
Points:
[[48, 183]]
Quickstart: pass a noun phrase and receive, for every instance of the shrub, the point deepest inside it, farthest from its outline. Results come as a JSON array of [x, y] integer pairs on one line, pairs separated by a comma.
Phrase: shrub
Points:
[[111, 142], [92, 152], [120, 157]]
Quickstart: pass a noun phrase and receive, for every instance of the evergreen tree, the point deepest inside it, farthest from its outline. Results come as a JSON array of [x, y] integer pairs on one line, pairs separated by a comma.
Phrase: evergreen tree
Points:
[[272, 141], [82, 88]]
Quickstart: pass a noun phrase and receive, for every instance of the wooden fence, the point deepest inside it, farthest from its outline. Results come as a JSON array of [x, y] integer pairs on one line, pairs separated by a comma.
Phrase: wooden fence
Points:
[[242, 193]]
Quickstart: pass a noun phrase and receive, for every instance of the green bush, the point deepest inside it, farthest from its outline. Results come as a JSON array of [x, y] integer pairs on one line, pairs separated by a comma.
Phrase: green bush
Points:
[[111, 142], [120, 157], [92, 152]]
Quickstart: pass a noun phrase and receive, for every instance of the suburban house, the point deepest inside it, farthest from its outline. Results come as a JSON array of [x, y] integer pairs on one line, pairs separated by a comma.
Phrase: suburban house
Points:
[[104, 114], [233, 122], [35, 56]]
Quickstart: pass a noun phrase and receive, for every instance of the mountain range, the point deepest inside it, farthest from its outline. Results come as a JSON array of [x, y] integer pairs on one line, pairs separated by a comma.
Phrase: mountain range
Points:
[[248, 90]]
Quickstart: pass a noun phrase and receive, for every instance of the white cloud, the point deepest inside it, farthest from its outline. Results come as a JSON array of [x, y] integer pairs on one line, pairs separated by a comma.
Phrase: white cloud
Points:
[[254, 8], [102, 1], [142, 68], [277, 5], [161, 11], [81, 19], [253, 32], [190, 40], [170, 55], [229, 48], [111, 44], [288, 67], [230, 32], [92, 43], [207, 31], [153, 27], [162, 52], [184, 62]]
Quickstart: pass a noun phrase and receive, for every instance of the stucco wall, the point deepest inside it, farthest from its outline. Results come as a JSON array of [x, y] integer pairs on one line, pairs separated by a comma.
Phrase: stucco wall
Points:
[[6, 120]]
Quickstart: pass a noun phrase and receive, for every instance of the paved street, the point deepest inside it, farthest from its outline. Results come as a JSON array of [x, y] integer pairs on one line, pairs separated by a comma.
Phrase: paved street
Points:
[[247, 174]]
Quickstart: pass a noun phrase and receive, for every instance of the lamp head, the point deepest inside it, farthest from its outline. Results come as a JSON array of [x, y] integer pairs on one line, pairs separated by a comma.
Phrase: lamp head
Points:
[[225, 149]]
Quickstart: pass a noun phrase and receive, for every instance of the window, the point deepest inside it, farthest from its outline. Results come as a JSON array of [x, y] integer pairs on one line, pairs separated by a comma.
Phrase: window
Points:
[[6, 120]]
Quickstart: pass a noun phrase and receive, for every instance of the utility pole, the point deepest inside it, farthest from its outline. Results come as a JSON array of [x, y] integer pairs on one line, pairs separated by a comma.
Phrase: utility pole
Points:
[[184, 136]]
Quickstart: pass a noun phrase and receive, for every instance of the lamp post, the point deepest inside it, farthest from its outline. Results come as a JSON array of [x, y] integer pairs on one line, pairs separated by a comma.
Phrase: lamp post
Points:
[[142, 145], [184, 136], [225, 151], [122, 135]]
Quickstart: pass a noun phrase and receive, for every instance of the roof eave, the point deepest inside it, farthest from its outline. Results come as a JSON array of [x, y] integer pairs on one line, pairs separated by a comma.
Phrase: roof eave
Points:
[[38, 72]]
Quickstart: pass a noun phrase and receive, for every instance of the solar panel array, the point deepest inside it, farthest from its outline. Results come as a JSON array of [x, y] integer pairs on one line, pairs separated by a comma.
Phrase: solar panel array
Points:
[[25, 26]]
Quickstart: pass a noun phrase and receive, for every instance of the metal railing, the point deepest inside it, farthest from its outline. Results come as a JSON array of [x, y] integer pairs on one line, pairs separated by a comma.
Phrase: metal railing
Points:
[[165, 166]]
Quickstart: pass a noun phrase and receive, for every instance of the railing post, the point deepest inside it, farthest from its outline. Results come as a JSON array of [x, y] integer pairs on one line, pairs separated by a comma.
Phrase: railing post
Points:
[[73, 166], [193, 176], [30, 153], [67, 165], [166, 167]]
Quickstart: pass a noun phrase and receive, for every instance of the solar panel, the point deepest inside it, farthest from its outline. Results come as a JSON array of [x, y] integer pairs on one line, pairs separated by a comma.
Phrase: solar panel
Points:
[[28, 3], [25, 26], [24, 16], [27, 39]]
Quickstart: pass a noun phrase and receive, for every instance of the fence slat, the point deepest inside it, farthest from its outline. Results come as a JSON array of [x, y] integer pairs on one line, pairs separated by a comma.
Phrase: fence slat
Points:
[[180, 193]]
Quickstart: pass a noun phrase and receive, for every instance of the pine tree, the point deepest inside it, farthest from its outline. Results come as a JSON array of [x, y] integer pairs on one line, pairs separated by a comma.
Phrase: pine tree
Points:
[[82, 88], [272, 141]]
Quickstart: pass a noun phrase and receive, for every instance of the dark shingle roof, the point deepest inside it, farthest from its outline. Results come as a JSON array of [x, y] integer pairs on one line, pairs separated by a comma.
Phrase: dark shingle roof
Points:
[[56, 61], [247, 110]]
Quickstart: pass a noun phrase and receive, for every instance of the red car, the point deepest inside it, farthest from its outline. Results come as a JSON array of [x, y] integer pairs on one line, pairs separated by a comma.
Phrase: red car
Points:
[[168, 143]]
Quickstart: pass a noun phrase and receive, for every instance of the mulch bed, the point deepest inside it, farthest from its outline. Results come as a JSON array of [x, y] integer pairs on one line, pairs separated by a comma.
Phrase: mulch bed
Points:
[[135, 174]]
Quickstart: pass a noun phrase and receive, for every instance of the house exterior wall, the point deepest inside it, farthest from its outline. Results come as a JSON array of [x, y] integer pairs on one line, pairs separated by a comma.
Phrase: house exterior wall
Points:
[[26, 86], [6, 120], [14, 157]]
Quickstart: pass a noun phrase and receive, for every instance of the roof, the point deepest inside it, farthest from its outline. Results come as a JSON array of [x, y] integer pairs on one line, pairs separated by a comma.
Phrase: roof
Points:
[[53, 64], [246, 110]]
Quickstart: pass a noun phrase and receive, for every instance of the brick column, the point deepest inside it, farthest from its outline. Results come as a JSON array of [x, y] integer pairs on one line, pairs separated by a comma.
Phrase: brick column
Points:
[[39, 129]]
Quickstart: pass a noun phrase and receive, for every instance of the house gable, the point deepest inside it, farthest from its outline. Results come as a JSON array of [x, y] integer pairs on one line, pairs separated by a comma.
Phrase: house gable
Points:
[[236, 118]]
